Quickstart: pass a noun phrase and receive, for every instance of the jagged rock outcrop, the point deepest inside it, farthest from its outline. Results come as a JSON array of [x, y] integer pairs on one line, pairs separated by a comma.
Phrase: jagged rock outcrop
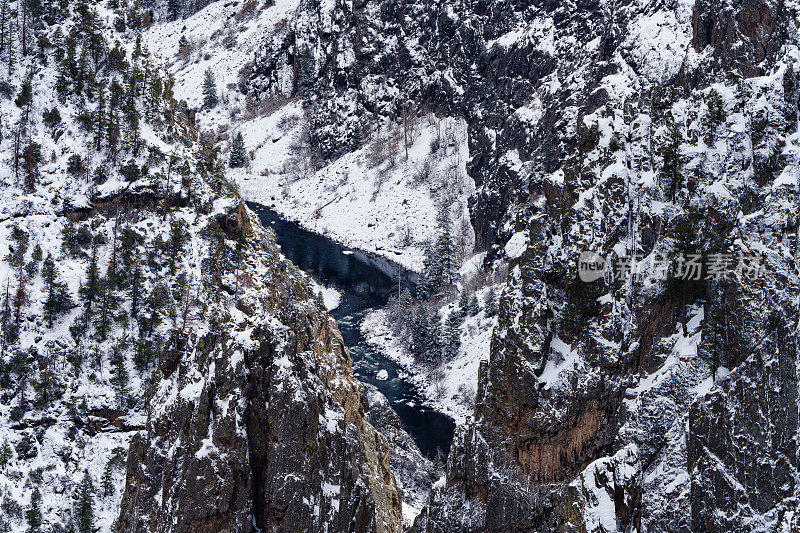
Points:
[[740, 36], [414, 472], [636, 425], [742, 451], [607, 495], [261, 427], [508, 470], [742, 435]]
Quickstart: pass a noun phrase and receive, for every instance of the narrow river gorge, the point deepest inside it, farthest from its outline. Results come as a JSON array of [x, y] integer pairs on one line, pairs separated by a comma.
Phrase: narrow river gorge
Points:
[[364, 282]]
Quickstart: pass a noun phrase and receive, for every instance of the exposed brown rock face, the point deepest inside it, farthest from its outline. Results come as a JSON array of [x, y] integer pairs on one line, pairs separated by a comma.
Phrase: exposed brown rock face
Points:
[[261, 426], [529, 439], [741, 34], [554, 432]]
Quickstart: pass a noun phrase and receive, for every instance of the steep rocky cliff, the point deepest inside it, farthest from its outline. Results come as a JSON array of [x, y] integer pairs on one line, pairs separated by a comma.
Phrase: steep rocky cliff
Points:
[[669, 410], [146, 309], [261, 427], [653, 131]]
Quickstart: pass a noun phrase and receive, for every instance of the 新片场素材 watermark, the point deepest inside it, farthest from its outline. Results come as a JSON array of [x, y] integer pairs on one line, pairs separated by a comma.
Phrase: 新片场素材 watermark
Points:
[[694, 267]]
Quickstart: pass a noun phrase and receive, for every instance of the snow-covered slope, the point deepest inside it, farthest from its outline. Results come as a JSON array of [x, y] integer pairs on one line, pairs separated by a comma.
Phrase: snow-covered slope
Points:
[[646, 129], [449, 385], [366, 199]]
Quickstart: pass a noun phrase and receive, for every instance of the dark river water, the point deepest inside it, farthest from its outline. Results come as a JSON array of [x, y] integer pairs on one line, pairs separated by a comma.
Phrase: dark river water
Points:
[[364, 283]]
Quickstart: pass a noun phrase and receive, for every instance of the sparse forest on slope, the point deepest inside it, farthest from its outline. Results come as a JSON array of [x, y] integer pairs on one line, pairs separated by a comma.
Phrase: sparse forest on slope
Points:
[[141, 299]]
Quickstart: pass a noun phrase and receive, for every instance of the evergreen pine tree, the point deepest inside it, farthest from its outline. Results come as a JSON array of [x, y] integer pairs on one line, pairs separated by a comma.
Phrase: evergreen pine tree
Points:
[[33, 515], [177, 237], [238, 154], [439, 269], [144, 352], [84, 505], [433, 340], [427, 284], [445, 249], [11, 58], [62, 84], [6, 454], [135, 289], [490, 303], [107, 481], [25, 95], [107, 304], [452, 337], [31, 155], [82, 72], [357, 138], [58, 299], [99, 119], [20, 295], [419, 331], [210, 96], [119, 376], [463, 303], [5, 21], [46, 383], [714, 116], [90, 287], [9, 328], [129, 251], [157, 300], [673, 160], [58, 43], [473, 308]]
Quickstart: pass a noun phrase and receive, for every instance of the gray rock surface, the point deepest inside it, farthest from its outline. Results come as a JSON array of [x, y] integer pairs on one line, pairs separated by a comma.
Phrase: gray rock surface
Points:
[[261, 427]]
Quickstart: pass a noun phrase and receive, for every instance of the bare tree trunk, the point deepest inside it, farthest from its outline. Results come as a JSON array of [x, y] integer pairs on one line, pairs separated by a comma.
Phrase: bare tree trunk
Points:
[[16, 154], [25, 27], [405, 129]]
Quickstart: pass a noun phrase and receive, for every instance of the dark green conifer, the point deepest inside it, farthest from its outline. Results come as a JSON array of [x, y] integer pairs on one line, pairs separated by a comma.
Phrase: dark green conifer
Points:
[[452, 334], [673, 161], [84, 505], [238, 153], [58, 299], [210, 96], [33, 516], [714, 116], [490, 303]]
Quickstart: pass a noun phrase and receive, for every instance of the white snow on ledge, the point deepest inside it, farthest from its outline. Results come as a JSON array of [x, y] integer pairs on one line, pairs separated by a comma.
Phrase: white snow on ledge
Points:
[[330, 296], [516, 245]]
